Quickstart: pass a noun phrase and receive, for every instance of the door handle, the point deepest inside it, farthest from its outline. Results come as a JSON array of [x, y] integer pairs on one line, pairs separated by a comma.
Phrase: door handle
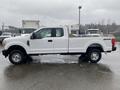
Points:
[[49, 40]]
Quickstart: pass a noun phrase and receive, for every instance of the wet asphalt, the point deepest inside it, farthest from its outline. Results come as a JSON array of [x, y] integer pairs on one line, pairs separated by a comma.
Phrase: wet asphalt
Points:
[[56, 72]]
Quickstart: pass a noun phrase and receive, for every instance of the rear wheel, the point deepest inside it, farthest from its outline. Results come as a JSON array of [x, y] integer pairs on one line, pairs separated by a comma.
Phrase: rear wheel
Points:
[[94, 55], [17, 57]]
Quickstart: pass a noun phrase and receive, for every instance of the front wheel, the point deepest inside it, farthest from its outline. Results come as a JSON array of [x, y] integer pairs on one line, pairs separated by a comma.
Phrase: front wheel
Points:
[[17, 57], [94, 55]]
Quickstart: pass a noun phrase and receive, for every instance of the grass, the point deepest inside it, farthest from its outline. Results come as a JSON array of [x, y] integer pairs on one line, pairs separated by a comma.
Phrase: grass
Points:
[[118, 38]]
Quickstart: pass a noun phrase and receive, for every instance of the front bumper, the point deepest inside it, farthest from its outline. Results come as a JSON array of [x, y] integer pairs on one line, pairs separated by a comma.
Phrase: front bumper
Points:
[[5, 53]]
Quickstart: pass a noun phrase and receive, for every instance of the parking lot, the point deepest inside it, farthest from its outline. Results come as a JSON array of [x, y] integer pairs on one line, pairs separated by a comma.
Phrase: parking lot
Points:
[[57, 72]]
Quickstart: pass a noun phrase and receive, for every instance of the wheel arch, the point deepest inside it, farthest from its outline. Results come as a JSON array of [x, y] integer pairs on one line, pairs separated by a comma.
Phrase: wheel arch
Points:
[[16, 47], [95, 46]]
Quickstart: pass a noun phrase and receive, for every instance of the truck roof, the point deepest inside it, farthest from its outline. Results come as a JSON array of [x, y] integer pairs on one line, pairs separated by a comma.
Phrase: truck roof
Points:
[[52, 27]]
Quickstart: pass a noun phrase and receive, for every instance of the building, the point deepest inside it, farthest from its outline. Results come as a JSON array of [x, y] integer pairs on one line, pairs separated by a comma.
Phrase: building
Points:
[[11, 29], [30, 24]]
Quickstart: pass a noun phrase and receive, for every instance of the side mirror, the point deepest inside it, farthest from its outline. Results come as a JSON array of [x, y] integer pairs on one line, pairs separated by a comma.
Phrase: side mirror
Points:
[[32, 36]]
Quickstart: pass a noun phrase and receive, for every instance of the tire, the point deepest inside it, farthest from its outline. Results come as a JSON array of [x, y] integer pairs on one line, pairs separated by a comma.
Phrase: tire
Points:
[[94, 55], [17, 57]]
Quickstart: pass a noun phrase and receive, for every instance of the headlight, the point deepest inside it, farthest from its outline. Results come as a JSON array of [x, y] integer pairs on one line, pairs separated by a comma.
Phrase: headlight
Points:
[[3, 42]]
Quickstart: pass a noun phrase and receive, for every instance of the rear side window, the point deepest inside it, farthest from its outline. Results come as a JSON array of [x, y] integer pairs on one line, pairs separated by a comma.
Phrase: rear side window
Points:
[[59, 32]]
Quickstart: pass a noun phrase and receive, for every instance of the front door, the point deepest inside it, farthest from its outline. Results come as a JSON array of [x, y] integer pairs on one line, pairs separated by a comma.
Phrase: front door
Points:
[[42, 42]]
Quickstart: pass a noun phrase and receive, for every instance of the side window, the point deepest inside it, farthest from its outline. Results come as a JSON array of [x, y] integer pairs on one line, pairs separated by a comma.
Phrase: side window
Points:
[[59, 32], [43, 33]]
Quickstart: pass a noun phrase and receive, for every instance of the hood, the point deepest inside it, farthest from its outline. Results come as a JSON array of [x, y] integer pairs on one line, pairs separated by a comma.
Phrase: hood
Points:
[[17, 39]]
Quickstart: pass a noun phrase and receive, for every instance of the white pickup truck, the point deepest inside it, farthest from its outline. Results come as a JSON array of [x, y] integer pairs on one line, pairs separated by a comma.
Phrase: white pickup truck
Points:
[[56, 40]]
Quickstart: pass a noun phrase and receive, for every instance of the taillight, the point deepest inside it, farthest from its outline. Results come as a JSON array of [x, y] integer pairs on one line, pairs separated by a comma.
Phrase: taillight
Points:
[[113, 42]]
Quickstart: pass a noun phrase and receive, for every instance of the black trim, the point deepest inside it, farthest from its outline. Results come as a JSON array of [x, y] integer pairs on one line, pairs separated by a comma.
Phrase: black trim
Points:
[[114, 48], [76, 53], [108, 51], [53, 32], [106, 39], [28, 42], [49, 40], [5, 53]]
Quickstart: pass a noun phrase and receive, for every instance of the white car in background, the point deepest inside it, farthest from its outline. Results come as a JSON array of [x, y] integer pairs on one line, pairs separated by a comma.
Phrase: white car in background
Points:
[[24, 34], [94, 32], [5, 35]]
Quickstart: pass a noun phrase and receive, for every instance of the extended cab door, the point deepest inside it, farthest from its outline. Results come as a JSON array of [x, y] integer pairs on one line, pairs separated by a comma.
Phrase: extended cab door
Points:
[[60, 40], [42, 41]]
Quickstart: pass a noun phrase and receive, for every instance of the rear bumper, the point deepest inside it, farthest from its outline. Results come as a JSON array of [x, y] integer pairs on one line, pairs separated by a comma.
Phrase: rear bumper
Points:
[[113, 49], [5, 53]]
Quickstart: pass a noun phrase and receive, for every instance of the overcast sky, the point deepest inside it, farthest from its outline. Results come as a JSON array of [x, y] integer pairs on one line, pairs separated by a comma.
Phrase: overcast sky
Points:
[[59, 12]]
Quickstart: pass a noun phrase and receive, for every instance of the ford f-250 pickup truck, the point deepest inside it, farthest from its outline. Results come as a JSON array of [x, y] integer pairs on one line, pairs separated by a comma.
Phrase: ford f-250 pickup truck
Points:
[[56, 40]]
